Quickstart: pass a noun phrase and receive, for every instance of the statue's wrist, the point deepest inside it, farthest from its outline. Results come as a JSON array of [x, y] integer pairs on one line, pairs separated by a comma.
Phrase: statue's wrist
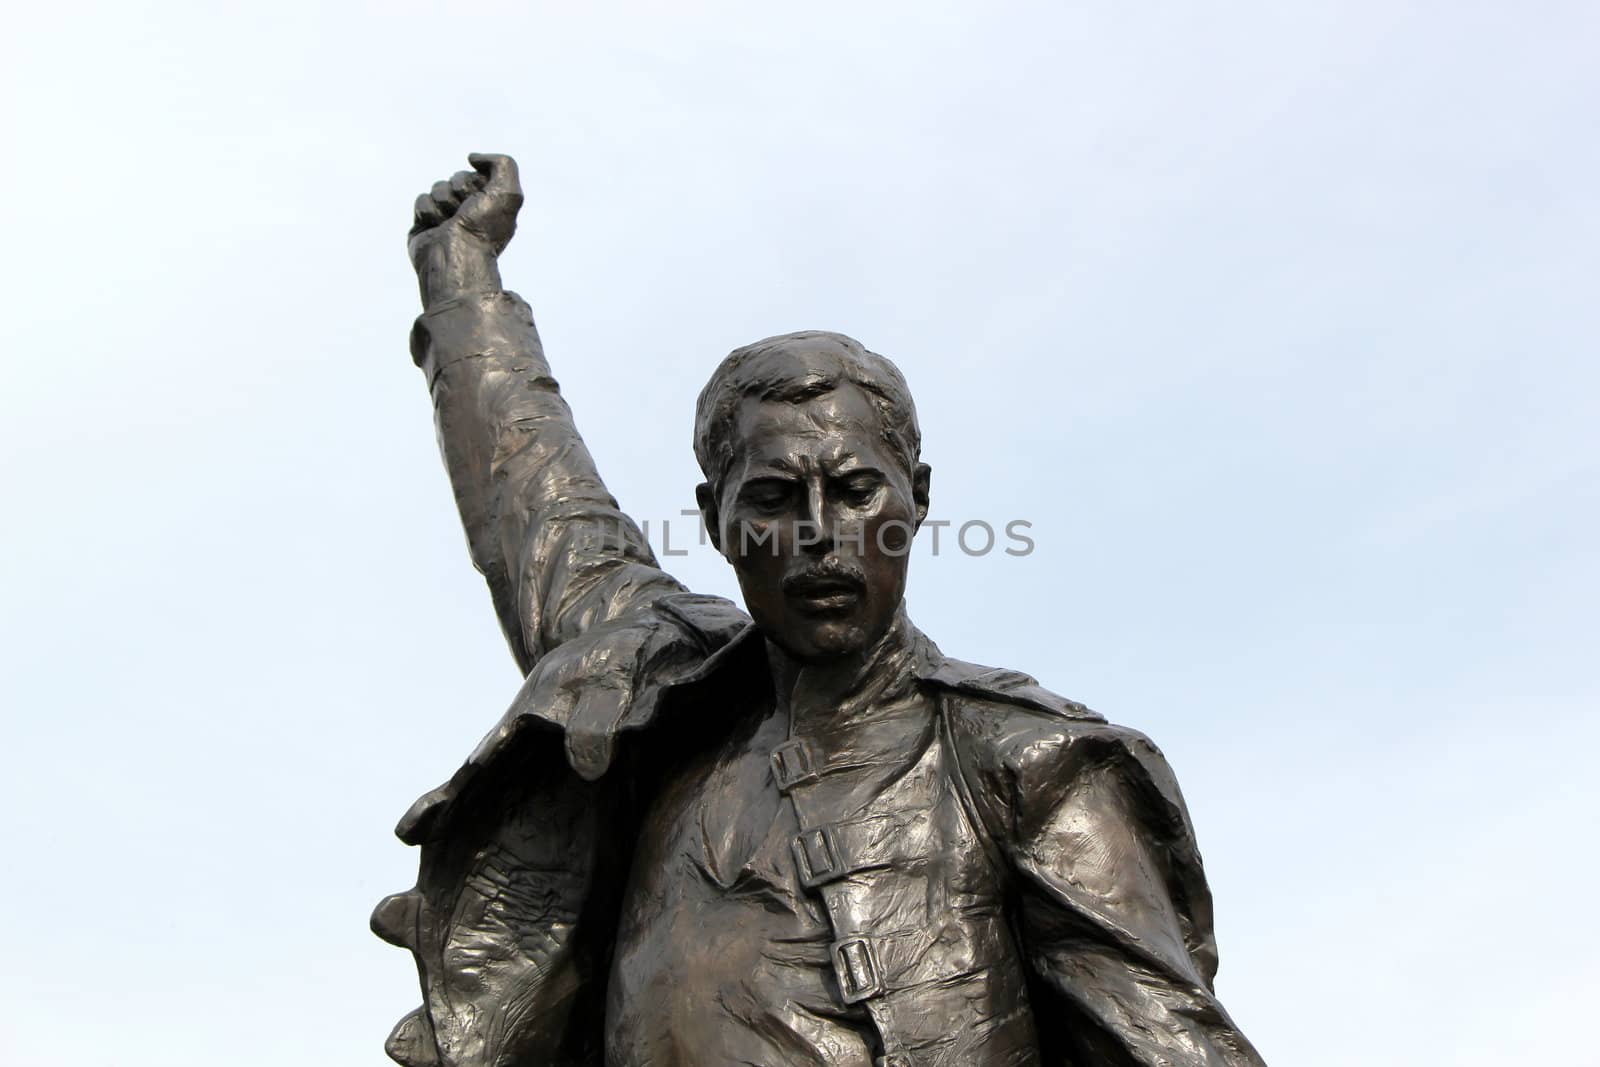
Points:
[[452, 270]]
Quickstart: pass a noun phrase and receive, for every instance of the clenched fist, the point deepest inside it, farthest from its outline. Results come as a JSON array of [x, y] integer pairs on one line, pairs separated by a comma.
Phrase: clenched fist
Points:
[[461, 226]]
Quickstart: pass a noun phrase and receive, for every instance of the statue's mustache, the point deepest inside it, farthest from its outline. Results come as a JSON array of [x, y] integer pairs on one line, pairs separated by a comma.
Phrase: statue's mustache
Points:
[[828, 576]]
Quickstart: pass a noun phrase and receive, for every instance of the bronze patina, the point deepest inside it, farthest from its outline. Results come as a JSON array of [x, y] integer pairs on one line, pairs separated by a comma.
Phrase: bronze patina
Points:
[[801, 835]]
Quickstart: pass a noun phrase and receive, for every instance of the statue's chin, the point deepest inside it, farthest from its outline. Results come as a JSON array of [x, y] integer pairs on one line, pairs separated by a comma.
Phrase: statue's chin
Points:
[[823, 641]]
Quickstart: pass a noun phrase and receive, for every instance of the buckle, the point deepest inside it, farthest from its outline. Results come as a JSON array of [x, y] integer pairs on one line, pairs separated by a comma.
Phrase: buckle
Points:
[[856, 967], [791, 765], [816, 857]]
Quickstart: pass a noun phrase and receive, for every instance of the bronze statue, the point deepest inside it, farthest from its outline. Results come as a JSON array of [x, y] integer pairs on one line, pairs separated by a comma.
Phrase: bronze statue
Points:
[[801, 836]]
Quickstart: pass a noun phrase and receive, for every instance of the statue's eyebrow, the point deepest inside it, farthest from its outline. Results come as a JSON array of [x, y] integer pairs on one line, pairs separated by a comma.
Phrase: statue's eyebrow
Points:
[[851, 462], [776, 467]]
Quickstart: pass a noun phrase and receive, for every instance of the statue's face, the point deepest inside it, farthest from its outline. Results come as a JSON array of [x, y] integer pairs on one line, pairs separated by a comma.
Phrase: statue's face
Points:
[[816, 515]]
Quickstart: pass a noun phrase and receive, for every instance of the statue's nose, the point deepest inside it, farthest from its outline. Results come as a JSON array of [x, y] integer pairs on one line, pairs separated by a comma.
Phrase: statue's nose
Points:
[[817, 514]]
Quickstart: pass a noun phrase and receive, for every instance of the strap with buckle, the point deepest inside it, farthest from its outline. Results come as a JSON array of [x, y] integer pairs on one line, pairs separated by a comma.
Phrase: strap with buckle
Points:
[[868, 965], [816, 857], [829, 852], [792, 765], [855, 965]]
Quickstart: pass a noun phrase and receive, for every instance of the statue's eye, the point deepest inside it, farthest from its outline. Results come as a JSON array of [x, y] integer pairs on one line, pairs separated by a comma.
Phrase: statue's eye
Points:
[[768, 497], [860, 489]]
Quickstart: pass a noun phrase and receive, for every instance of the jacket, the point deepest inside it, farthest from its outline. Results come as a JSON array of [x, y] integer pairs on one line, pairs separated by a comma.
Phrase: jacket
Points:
[[523, 851]]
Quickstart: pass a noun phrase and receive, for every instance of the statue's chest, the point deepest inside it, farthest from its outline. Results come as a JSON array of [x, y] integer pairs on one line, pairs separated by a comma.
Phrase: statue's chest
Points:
[[883, 838], [874, 801], [847, 879], [913, 899]]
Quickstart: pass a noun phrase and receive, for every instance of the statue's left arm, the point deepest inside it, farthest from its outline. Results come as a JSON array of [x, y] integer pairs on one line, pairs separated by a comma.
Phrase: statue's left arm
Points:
[[1114, 910]]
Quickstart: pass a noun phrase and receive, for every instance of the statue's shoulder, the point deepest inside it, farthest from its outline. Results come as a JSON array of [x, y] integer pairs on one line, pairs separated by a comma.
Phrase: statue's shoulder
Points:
[[1017, 742], [999, 691], [716, 621], [587, 692]]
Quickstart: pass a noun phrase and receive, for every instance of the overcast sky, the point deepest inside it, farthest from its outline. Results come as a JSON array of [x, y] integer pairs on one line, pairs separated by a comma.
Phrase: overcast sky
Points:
[[1277, 321]]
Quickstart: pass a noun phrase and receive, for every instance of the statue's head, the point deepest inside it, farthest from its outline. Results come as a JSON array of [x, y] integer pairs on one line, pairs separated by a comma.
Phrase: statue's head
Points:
[[814, 488]]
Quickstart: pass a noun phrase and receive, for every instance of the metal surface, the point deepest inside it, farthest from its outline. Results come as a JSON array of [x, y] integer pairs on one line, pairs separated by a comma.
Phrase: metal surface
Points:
[[797, 836]]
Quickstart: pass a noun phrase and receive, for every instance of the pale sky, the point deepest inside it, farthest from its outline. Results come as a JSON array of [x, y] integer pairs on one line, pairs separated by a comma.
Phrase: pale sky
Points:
[[1281, 318]]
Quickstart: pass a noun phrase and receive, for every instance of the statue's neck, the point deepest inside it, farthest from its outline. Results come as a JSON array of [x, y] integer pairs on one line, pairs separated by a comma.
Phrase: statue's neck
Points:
[[823, 690]]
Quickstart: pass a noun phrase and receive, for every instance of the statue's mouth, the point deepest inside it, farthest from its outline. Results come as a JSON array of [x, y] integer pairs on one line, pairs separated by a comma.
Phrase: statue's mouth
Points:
[[825, 593]]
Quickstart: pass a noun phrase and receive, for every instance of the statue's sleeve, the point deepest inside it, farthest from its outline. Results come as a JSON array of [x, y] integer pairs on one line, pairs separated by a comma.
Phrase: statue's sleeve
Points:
[[558, 555], [1115, 913]]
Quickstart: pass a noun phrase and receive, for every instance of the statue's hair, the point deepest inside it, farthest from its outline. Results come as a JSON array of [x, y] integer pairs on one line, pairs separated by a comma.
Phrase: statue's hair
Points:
[[794, 368]]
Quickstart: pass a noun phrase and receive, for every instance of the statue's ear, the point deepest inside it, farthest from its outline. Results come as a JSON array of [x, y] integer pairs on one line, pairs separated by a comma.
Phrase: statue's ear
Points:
[[921, 475], [706, 497]]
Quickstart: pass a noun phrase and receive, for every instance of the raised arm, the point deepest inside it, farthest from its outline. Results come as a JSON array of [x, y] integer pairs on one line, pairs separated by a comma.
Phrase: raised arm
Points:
[[558, 555]]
